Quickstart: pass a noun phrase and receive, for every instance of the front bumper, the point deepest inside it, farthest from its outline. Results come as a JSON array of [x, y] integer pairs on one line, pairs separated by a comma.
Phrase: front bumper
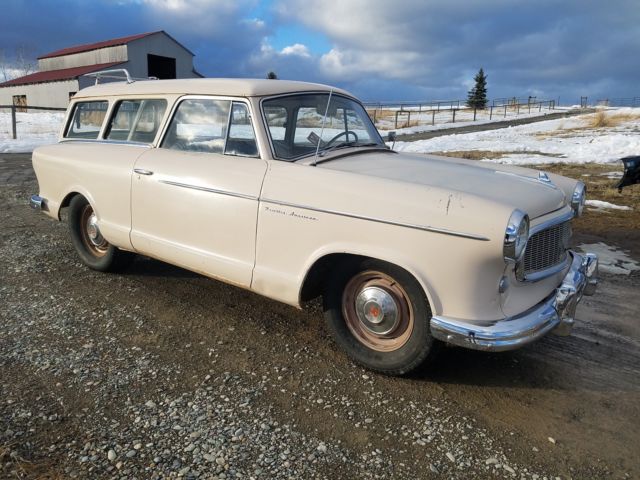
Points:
[[555, 313]]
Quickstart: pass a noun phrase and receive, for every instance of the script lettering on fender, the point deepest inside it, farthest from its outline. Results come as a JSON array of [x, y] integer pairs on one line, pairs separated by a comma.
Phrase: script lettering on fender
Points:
[[292, 213]]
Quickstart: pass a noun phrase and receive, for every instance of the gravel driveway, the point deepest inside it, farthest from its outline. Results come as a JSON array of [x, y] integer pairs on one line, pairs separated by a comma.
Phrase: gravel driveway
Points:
[[162, 373]]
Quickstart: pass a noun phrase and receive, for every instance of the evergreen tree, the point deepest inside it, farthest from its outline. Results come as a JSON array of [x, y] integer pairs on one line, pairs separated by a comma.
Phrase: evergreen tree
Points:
[[272, 76], [478, 94]]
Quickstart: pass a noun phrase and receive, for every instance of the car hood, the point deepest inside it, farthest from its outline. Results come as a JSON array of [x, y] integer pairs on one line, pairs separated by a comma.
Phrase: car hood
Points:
[[519, 187]]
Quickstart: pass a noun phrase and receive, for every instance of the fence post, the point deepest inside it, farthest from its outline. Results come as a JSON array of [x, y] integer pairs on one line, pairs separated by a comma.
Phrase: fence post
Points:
[[505, 111], [433, 117], [454, 115], [13, 121], [490, 112], [540, 107], [518, 109], [474, 114], [409, 119], [397, 112]]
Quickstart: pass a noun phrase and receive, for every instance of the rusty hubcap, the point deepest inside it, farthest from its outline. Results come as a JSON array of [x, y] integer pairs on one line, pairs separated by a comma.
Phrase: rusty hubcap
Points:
[[90, 233], [377, 311]]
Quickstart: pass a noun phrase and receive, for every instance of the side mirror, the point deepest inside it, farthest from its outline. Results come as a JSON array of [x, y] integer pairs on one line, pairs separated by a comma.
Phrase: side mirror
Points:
[[391, 137]]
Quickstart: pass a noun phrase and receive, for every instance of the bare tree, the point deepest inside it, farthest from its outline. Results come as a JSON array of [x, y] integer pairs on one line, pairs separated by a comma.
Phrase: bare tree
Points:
[[25, 61], [4, 66], [21, 63]]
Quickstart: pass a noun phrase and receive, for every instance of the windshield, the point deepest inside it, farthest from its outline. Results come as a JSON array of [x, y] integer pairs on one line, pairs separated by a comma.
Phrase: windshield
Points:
[[298, 126]]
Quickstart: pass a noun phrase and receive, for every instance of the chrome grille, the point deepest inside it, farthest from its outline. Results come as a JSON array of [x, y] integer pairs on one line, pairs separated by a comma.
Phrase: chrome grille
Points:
[[547, 248]]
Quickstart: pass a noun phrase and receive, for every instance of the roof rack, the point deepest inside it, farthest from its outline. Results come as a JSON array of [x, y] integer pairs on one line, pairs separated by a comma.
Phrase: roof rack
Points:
[[117, 74]]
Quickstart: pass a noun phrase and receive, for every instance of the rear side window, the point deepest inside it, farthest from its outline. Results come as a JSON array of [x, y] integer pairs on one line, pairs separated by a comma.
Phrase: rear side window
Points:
[[86, 120], [136, 120], [212, 126], [199, 125]]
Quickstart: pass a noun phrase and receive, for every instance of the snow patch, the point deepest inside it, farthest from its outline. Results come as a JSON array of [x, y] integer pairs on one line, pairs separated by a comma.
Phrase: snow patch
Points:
[[33, 129], [611, 259], [602, 205], [551, 141]]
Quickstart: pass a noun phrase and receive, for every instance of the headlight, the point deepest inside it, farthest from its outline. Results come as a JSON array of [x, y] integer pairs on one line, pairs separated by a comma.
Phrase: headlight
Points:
[[516, 235], [578, 198]]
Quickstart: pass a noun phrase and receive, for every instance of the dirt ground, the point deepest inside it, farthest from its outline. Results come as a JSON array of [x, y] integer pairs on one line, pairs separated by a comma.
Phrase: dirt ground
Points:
[[88, 349]]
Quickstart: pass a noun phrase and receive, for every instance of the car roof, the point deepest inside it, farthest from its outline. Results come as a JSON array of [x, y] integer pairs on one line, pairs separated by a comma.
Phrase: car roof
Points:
[[233, 87]]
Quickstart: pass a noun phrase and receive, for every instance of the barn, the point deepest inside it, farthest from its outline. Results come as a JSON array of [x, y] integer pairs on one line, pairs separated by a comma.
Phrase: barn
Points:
[[61, 73]]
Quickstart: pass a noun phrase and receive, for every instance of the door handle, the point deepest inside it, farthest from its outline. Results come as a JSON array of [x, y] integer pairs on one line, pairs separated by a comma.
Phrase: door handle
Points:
[[141, 171]]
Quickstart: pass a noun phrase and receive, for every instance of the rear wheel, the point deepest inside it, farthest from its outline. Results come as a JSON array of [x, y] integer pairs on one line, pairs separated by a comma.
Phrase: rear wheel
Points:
[[379, 314], [94, 250]]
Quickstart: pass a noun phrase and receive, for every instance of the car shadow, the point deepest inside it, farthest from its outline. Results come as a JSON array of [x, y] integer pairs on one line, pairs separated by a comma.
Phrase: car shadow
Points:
[[454, 365], [563, 363], [149, 267]]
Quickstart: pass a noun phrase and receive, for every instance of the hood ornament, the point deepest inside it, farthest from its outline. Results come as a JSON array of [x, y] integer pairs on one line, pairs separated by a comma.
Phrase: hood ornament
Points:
[[543, 177]]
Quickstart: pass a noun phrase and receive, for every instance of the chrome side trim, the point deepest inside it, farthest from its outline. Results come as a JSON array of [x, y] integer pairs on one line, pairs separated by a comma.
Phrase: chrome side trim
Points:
[[555, 313], [210, 190], [426, 228], [106, 142], [550, 223]]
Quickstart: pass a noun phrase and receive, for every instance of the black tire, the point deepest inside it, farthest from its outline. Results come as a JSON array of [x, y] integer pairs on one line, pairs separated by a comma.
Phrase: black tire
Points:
[[101, 256], [410, 348]]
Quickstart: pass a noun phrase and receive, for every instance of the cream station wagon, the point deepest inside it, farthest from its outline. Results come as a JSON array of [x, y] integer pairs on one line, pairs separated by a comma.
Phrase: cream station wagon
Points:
[[287, 189]]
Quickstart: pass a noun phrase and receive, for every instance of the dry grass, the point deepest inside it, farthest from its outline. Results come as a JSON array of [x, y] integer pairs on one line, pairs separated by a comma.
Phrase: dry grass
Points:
[[599, 120], [25, 468], [599, 187], [488, 154], [412, 123], [382, 113], [602, 119]]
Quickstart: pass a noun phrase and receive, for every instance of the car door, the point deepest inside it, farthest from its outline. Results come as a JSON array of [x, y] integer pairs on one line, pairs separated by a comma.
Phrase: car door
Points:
[[195, 198]]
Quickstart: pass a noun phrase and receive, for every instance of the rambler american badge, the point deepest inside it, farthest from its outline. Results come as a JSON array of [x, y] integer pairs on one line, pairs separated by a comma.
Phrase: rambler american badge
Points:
[[292, 213]]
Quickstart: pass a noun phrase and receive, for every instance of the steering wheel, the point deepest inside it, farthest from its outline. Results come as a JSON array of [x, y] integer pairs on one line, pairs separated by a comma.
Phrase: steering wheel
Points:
[[345, 133]]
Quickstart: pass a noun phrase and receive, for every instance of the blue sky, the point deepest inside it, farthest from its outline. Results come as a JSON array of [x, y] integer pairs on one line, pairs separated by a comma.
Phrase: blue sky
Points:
[[379, 50]]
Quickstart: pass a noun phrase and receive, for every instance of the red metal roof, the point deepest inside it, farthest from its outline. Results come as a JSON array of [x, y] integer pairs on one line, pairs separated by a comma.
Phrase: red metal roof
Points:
[[94, 46], [58, 75]]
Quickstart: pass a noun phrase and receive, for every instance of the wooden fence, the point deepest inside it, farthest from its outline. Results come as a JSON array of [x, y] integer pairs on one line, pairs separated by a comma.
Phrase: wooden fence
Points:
[[25, 108], [402, 112]]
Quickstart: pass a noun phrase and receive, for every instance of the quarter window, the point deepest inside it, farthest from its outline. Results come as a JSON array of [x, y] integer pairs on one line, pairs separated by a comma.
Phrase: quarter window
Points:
[[199, 125], [136, 120], [86, 120], [242, 140]]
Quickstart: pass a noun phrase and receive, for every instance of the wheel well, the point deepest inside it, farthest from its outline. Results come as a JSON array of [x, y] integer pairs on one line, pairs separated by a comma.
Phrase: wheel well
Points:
[[66, 201], [317, 275]]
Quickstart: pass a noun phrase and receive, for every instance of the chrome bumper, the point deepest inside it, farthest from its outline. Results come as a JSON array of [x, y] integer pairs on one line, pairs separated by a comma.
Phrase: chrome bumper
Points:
[[555, 313], [37, 202]]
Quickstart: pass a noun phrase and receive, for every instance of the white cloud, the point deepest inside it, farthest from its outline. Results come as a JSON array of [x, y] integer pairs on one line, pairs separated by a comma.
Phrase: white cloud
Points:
[[296, 49], [435, 47], [202, 17]]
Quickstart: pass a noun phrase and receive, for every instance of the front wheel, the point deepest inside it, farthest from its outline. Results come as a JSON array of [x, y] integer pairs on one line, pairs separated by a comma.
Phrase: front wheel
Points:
[[379, 314], [94, 250]]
